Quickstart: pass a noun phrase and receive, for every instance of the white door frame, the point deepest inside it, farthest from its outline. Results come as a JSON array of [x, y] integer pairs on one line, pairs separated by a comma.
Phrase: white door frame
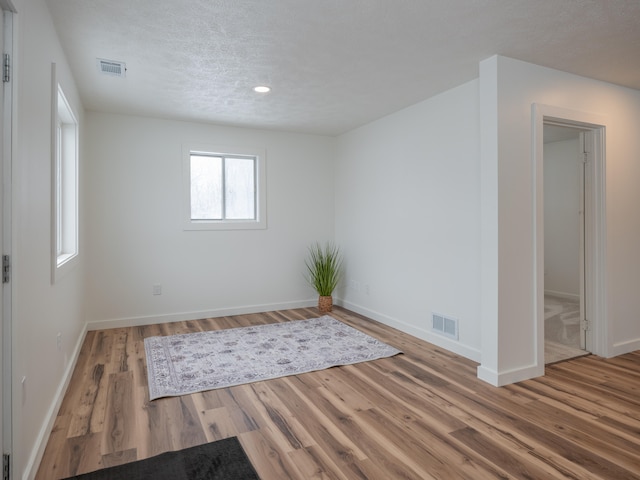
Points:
[[6, 231], [595, 223]]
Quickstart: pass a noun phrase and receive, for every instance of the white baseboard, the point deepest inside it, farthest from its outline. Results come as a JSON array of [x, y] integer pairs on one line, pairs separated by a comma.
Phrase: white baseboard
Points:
[[196, 315], [421, 333], [621, 348], [499, 379], [37, 452]]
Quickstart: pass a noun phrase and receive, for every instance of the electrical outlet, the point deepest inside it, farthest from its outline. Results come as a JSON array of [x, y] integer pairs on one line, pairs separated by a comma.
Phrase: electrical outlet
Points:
[[157, 289]]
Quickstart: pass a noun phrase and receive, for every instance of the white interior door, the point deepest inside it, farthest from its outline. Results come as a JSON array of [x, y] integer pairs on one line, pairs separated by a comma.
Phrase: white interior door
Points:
[[583, 257], [589, 140]]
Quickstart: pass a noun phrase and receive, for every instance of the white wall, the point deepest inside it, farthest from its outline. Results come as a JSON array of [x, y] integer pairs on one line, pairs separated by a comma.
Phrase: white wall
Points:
[[40, 309], [562, 218], [510, 349], [136, 240], [433, 209], [408, 217]]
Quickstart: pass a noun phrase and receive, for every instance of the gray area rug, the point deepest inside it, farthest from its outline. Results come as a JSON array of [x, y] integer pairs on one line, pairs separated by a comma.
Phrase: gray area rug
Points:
[[194, 362], [221, 460]]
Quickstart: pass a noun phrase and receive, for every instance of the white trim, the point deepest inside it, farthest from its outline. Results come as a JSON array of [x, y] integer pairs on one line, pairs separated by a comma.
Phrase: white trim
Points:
[[498, 379], [596, 225], [260, 223], [35, 457], [421, 333], [66, 260], [196, 315], [8, 232], [626, 346], [455, 347]]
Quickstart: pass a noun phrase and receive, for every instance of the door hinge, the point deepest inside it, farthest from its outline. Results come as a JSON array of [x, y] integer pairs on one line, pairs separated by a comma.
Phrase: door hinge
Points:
[[584, 324], [586, 148], [6, 268], [6, 68], [6, 462]]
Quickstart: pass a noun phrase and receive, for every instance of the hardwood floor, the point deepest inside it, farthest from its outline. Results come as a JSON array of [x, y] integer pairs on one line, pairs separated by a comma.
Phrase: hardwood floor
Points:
[[419, 415]]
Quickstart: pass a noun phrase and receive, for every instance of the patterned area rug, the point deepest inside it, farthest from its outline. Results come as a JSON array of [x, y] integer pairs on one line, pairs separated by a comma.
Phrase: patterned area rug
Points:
[[193, 362]]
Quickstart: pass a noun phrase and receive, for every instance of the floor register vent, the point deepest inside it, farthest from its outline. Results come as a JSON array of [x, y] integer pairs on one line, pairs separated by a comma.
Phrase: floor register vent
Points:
[[443, 325]]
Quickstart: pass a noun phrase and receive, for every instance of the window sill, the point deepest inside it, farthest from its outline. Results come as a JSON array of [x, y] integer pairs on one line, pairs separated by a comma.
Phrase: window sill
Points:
[[64, 258], [194, 225], [64, 264]]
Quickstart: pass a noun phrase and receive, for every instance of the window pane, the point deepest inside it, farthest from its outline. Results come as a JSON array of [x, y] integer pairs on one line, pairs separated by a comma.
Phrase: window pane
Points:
[[68, 189], [59, 189], [240, 189], [206, 188], [66, 178]]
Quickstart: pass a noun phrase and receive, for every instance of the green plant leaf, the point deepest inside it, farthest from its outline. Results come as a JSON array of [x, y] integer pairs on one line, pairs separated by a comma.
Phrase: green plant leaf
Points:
[[324, 264]]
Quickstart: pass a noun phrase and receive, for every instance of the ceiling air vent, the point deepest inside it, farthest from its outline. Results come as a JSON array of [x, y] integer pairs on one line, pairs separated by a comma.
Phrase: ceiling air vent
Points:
[[111, 67]]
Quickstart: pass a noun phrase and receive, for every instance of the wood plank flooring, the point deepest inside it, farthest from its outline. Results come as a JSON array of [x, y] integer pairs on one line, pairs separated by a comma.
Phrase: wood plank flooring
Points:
[[419, 415]]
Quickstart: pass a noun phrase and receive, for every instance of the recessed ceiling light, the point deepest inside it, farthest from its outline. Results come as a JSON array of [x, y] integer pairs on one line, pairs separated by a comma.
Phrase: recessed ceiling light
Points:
[[262, 89]]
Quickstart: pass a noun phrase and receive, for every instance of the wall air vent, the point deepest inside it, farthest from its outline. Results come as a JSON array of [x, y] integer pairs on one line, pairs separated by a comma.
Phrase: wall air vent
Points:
[[443, 325], [112, 67]]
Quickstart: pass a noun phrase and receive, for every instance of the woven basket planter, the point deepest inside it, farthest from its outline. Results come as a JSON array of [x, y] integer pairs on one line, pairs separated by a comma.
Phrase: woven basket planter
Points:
[[325, 303]]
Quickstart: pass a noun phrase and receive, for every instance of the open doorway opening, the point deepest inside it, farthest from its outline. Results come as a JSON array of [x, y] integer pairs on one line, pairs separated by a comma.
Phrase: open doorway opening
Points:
[[591, 248], [564, 209]]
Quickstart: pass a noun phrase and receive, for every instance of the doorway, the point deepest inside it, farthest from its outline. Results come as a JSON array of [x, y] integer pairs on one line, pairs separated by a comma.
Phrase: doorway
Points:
[[591, 129], [564, 200]]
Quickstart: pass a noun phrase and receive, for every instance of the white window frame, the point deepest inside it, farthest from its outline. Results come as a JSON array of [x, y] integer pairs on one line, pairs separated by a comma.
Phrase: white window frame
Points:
[[65, 191], [260, 222]]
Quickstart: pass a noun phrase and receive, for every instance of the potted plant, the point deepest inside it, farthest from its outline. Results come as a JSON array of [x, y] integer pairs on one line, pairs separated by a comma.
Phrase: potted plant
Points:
[[325, 269]]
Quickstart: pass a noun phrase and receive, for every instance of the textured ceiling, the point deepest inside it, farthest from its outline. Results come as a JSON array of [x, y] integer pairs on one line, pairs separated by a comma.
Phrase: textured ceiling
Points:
[[333, 65]]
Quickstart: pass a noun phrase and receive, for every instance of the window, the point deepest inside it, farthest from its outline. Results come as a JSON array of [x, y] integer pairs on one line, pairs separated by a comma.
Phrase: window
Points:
[[224, 188], [65, 186]]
